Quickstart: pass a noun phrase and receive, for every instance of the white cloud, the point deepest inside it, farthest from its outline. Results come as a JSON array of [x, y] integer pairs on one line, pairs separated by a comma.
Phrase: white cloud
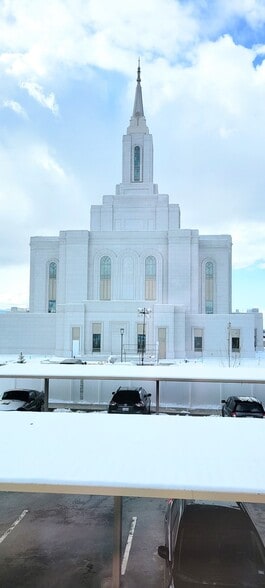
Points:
[[159, 26], [36, 91], [37, 196], [252, 10], [15, 106], [47, 162], [43, 40]]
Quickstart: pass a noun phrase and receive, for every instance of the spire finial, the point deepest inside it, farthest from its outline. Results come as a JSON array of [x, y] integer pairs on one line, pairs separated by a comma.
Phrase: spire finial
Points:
[[138, 110], [138, 71]]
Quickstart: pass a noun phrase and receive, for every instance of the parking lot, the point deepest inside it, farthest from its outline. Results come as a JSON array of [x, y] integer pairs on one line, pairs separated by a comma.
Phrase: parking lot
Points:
[[66, 540]]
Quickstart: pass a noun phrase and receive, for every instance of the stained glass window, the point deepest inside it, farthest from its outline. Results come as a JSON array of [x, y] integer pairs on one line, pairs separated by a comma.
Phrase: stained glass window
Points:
[[209, 287], [150, 278], [105, 278]]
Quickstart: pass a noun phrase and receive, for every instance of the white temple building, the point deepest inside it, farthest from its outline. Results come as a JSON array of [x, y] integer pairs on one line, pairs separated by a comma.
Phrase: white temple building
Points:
[[87, 286]]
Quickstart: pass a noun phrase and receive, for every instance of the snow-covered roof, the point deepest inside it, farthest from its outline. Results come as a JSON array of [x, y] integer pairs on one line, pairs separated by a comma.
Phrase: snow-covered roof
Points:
[[177, 372], [133, 455]]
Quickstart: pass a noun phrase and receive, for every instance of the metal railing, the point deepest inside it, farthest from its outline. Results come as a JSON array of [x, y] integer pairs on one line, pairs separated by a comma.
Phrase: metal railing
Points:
[[149, 353]]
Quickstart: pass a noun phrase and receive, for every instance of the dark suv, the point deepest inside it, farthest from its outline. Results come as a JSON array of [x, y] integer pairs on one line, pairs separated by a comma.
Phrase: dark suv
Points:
[[242, 406], [211, 544], [130, 400]]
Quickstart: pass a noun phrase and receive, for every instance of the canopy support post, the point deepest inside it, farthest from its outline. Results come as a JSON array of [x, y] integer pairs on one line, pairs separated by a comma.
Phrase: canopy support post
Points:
[[157, 396], [117, 539], [46, 395]]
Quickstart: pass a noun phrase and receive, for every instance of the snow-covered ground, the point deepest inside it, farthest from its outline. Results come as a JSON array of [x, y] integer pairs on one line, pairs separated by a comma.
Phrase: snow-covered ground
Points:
[[225, 361]]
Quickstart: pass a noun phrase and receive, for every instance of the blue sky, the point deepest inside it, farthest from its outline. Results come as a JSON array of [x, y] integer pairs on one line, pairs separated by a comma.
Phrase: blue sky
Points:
[[68, 76]]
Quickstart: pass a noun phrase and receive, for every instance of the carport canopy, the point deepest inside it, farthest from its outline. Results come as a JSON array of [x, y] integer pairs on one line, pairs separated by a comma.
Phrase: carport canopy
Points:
[[98, 453]]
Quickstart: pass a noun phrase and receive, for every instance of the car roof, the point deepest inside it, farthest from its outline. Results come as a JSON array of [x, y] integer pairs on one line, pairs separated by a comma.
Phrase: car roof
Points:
[[188, 502], [247, 399], [243, 399], [213, 512], [21, 390], [126, 389], [211, 503], [71, 360]]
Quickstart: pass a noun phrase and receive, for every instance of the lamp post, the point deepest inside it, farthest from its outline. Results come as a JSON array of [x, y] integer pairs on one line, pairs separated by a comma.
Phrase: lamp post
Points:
[[145, 312], [122, 333]]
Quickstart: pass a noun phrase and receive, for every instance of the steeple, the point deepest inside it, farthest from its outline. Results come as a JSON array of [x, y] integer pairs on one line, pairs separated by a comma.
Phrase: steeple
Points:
[[138, 109], [138, 122], [137, 151]]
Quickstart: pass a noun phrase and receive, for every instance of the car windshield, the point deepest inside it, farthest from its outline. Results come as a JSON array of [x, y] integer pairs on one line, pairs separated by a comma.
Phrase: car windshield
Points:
[[16, 395], [217, 546], [253, 407], [126, 396]]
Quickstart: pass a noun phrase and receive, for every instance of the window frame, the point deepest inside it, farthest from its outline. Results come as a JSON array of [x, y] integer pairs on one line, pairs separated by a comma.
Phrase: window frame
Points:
[[150, 268], [52, 286], [96, 336], [137, 163], [105, 277]]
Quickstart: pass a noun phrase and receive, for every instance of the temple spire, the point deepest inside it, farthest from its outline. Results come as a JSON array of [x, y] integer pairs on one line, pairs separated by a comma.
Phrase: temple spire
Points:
[[138, 110], [137, 151]]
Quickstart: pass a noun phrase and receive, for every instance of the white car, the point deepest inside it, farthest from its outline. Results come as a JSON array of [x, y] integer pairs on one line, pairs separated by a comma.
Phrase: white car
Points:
[[19, 399]]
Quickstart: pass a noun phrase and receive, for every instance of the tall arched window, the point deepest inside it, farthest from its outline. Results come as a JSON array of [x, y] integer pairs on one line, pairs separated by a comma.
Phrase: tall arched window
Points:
[[150, 278], [209, 287], [52, 287], [136, 164], [105, 278]]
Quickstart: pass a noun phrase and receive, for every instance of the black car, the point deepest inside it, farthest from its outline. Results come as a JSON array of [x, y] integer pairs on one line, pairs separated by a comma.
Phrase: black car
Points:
[[211, 544], [22, 400], [242, 406], [130, 400]]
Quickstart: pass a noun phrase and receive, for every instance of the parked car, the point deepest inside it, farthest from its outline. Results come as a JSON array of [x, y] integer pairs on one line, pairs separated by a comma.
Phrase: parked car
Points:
[[242, 406], [72, 360], [130, 400], [211, 544], [22, 400]]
